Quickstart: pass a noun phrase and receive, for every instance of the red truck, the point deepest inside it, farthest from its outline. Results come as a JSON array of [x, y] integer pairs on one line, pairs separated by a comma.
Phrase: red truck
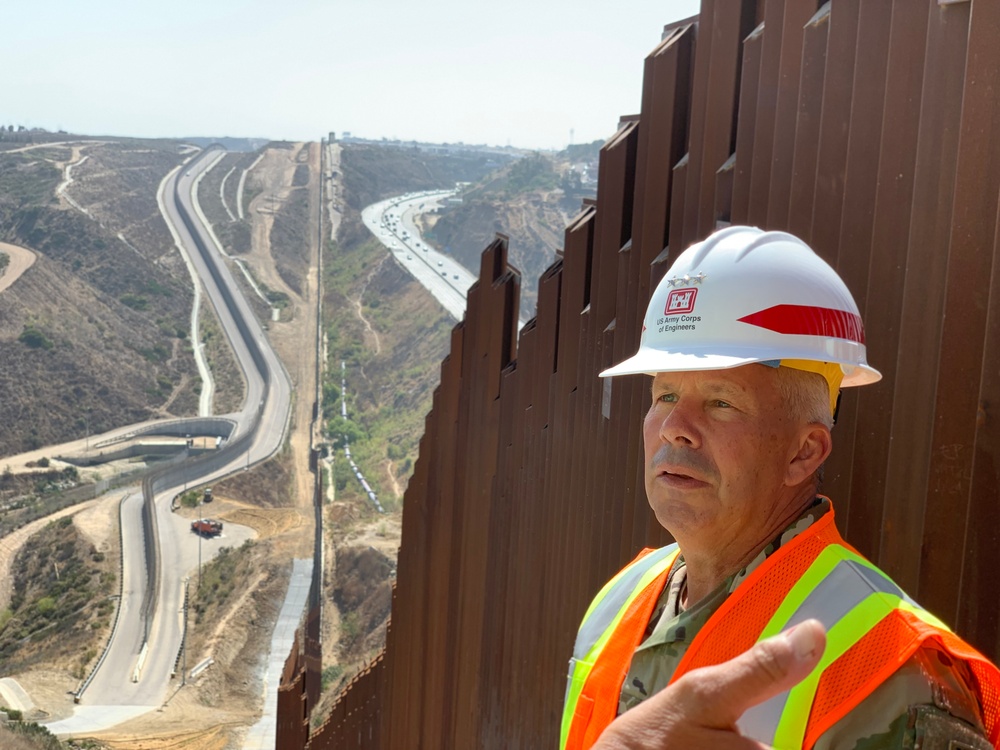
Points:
[[206, 527]]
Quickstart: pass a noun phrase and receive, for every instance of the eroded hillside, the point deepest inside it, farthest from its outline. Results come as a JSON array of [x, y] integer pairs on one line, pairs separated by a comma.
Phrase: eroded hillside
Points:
[[96, 333]]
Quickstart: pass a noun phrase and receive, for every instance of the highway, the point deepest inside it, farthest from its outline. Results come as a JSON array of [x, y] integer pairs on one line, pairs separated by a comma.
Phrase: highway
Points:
[[393, 222], [440, 274], [135, 674]]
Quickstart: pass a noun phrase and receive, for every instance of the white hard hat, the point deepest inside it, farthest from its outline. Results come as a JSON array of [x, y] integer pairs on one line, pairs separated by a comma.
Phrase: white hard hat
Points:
[[744, 295]]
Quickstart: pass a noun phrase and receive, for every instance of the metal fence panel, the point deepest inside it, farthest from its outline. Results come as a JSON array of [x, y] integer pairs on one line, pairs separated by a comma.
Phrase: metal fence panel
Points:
[[867, 128]]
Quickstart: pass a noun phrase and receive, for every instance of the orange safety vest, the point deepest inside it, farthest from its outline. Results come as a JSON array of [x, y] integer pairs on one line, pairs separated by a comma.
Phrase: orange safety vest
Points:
[[872, 626]]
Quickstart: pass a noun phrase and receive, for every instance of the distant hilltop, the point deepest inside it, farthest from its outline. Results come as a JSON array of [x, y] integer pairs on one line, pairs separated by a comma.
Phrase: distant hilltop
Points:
[[230, 144], [510, 152]]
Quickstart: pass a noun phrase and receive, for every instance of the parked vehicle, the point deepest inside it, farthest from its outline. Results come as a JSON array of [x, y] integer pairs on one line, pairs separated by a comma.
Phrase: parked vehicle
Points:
[[206, 527]]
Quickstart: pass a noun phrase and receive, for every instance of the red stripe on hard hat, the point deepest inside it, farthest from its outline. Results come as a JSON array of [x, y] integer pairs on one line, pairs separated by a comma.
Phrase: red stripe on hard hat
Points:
[[809, 321]]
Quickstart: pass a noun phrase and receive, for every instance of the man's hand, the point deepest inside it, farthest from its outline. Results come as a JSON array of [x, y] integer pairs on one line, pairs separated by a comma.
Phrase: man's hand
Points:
[[700, 709]]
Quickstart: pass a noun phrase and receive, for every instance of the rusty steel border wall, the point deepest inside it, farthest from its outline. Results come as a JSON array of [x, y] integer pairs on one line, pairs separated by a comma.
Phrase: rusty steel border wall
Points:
[[871, 130]]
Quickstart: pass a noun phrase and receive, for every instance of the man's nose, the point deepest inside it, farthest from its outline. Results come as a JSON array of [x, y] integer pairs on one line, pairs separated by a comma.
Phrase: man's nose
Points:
[[679, 426]]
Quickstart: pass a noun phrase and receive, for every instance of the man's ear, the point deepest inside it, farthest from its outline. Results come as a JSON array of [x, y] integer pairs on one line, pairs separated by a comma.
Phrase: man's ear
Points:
[[813, 447]]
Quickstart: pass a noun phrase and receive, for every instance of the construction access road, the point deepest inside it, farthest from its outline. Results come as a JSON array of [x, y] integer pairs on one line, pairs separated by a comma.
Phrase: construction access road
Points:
[[135, 673]]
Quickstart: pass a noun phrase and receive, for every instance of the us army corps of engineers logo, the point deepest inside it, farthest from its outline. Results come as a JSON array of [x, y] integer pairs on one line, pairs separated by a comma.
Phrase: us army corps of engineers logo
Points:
[[680, 302]]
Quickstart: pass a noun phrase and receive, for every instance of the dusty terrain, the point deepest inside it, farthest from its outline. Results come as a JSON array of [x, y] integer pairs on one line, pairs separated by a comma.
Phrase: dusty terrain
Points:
[[276, 498], [95, 333], [20, 260]]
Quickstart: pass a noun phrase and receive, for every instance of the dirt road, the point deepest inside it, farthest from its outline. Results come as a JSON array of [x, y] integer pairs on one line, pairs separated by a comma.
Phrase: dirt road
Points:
[[20, 260], [294, 336]]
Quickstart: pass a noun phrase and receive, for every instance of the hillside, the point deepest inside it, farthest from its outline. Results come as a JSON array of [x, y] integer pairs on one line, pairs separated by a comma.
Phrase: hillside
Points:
[[95, 333], [62, 599], [371, 173], [391, 335]]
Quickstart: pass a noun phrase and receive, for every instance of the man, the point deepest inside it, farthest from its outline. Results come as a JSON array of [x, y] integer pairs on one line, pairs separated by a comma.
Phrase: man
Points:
[[749, 338]]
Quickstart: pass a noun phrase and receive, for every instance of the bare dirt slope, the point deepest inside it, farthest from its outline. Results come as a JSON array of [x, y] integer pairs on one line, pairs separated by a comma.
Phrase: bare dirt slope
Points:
[[294, 335], [20, 259], [93, 335]]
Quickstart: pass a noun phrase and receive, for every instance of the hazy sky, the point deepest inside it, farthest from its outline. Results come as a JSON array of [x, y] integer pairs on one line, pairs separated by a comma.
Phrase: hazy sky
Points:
[[523, 73]]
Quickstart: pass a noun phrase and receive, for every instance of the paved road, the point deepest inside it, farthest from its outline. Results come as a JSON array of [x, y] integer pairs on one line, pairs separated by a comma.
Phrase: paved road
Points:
[[443, 276], [113, 696], [436, 271]]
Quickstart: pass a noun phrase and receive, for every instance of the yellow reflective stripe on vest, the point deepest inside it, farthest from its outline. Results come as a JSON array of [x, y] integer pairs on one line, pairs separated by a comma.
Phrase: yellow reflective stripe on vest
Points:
[[849, 595], [612, 600], [821, 567], [792, 727], [601, 620]]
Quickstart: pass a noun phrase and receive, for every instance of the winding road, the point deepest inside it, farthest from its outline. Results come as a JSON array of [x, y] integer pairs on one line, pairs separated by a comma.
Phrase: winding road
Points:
[[135, 673]]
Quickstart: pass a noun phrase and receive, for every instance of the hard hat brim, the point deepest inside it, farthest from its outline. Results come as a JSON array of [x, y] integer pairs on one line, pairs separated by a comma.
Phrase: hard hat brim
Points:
[[648, 361]]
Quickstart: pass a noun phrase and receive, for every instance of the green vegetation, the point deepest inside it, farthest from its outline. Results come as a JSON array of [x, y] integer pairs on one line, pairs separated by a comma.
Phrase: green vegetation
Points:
[[62, 594], [4, 262], [371, 173], [91, 292], [219, 580], [344, 431], [290, 239], [535, 172], [331, 676], [279, 300], [225, 369], [157, 353], [388, 393], [191, 499], [234, 234], [583, 151], [34, 338], [27, 179], [135, 301]]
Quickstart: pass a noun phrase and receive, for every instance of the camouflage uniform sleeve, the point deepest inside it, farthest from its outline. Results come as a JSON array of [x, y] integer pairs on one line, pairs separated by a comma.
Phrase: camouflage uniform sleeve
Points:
[[926, 704]]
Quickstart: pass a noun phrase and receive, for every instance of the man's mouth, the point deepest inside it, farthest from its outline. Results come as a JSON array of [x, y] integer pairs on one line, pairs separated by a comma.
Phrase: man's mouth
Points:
[[679, 479]]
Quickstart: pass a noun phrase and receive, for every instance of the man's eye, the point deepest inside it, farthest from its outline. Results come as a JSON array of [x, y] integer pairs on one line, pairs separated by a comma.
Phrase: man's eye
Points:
[[667, 398], [722, 404]]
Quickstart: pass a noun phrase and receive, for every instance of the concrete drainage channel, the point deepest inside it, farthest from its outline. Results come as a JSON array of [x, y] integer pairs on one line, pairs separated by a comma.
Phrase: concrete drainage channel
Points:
[[262, 734]]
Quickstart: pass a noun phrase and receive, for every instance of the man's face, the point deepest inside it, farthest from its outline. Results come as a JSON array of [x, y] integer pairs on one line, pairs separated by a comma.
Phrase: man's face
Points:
[[717, 446]]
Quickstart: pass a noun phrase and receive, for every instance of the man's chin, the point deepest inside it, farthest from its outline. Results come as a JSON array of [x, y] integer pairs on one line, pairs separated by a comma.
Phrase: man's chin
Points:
[[680, 516]]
